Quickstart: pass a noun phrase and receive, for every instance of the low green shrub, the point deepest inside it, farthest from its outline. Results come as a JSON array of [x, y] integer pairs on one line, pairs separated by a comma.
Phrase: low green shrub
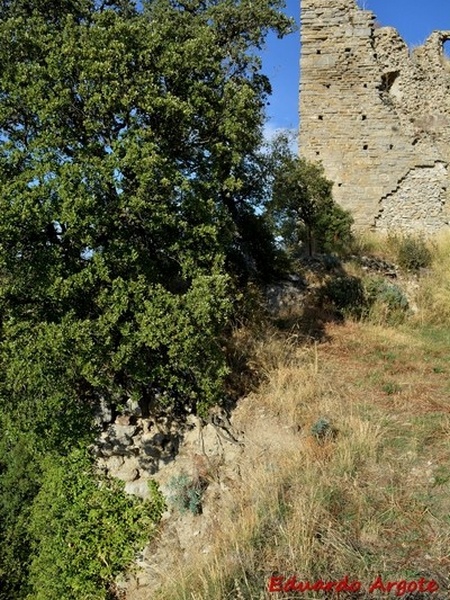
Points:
[[346, 293], [378, 289], [372, 297], [385, 301]]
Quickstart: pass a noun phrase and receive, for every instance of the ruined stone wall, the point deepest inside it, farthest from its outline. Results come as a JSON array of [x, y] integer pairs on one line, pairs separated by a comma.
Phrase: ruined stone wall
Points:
[[376, 115]]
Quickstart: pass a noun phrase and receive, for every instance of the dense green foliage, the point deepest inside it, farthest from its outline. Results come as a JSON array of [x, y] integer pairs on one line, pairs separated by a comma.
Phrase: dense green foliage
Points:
[[128, 183], [302, 208], [121, 189], [84, 531]]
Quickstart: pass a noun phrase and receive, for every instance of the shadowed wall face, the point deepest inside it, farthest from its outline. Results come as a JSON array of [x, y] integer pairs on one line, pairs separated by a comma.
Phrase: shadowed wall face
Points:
[[377, 115]]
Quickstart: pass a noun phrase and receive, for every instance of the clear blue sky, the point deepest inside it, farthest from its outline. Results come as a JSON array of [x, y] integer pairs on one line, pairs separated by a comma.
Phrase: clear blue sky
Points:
[[414, 19]]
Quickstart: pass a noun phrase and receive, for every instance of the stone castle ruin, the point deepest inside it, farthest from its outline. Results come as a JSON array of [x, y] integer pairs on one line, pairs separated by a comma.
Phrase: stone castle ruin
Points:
[[377, 115]]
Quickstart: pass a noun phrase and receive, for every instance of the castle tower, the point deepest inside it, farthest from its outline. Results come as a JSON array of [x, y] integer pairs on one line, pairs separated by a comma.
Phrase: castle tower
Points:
[[376, 116]]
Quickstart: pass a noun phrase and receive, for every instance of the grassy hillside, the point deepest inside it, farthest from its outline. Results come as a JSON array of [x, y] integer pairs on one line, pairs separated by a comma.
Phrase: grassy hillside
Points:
[[346, 470]]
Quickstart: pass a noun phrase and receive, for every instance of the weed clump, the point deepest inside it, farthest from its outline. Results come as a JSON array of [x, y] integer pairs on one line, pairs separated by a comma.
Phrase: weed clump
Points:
[[322, 429], [187, 493], [391, 387], [413, 253]]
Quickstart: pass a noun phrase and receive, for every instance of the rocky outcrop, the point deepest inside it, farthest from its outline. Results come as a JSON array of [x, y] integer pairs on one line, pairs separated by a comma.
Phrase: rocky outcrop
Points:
[[286, 293]]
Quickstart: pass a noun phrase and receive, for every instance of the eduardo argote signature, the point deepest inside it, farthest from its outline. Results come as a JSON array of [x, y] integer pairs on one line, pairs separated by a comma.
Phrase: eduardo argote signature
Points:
[[278, 583]]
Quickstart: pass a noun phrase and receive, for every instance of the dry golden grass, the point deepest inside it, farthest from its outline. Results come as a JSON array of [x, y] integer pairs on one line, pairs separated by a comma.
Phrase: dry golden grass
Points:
[[370, 498], [434, 294], [357, 503], [371, 243]]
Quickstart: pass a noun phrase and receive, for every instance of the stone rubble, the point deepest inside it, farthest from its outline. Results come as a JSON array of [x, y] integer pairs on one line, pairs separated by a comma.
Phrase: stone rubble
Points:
[[133, 449]]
